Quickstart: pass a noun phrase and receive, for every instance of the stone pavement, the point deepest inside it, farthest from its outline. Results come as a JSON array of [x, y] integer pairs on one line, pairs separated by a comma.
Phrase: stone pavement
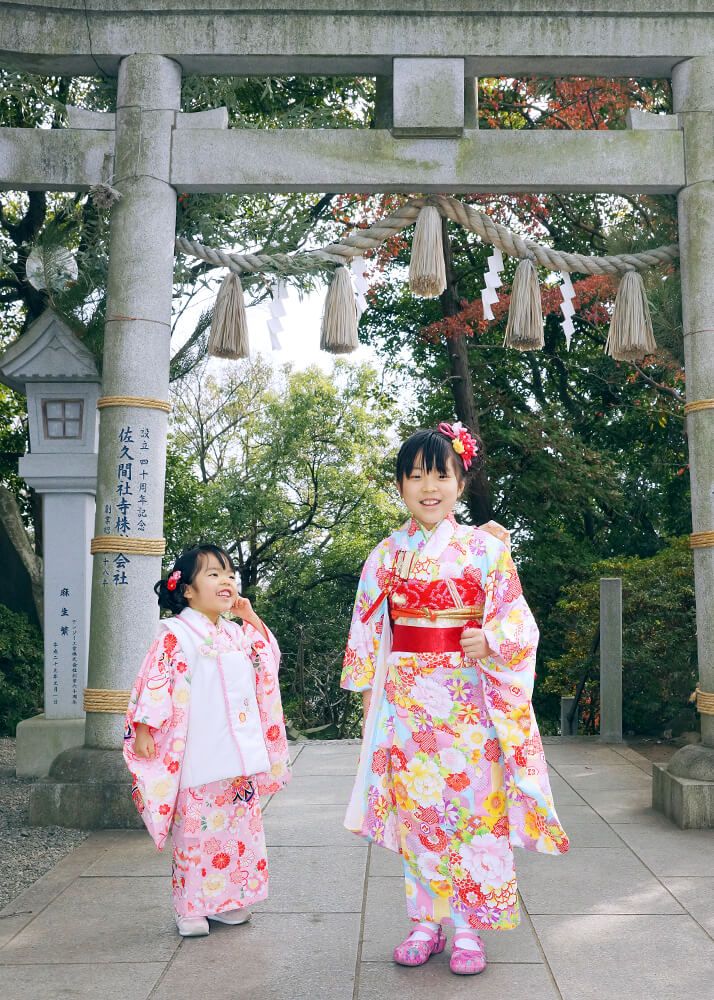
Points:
[[628, 913]]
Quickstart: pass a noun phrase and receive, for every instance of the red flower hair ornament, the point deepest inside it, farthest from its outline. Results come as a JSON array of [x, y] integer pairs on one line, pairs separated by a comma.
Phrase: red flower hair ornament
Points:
[[172, 582], [461, 441]]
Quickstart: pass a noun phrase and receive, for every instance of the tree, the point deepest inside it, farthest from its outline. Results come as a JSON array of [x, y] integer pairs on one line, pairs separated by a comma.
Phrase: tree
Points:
[[292, 474]]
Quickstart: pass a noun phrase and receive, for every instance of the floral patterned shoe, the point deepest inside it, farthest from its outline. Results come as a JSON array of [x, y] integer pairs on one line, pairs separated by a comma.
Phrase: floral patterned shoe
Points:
[[411, 952], [467, 961]]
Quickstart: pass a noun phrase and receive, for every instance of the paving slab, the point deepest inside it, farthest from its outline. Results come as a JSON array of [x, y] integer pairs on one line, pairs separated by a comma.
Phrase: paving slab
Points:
[[386, 924], [697, 897], [114, 981], [667, 850], [278, 956], [132, 854], [290, 828], [338, 763], [585, 828], [378, 980], [632, 805], [603, 777], [312, 880], [637, 957], [591, 880], [384, 862], [98, 921], [307, 790], [582, 754], [563, 794], [25, 907]]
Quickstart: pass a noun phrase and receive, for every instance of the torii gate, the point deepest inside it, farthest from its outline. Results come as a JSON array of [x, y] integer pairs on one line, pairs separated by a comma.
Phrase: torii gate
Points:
[[426, 57]]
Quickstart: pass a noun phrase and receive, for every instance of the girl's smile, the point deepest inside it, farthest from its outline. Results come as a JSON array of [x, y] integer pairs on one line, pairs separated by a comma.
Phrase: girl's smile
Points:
[[213, 589], [430, 496]]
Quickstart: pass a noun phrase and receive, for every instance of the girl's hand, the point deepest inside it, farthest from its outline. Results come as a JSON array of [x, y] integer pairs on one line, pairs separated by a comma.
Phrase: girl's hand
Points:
[[144, 742], [244, 609], [474, 644], [498, 531]]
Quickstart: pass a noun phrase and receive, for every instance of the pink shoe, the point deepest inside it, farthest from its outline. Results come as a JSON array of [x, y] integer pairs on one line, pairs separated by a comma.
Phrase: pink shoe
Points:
[[465, 961], [411, 952]]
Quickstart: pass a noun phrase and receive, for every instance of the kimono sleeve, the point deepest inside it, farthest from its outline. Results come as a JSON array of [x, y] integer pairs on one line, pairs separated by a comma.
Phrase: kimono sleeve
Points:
[[151, 702], [509, 626], [366, 629], [265, 655]]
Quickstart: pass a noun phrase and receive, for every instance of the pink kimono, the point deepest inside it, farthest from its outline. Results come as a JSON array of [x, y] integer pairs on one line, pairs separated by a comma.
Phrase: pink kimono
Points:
[[452, 772], [219, 855]]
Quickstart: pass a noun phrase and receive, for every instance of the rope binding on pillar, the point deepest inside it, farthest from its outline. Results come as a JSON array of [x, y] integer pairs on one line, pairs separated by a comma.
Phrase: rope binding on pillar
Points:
[[106, 700], [128, 546], [143, 402], [630, 337], [701, 539], [699, 404], [704, 701]]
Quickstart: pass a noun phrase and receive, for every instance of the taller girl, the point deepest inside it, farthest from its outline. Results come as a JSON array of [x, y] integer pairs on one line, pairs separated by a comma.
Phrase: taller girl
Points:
[[452, 772]]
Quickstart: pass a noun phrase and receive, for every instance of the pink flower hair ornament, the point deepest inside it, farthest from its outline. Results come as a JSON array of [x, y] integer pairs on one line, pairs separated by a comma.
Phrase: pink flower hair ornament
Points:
[[172, 582], [461, 441]]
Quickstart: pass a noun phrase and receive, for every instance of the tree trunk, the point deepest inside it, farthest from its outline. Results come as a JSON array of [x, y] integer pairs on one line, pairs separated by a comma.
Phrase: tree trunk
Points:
[[17, 538], [478, 490]]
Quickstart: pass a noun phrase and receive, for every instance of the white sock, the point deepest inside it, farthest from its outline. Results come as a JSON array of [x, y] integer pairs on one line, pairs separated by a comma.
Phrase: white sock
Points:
[[424, 930], [468, 940]]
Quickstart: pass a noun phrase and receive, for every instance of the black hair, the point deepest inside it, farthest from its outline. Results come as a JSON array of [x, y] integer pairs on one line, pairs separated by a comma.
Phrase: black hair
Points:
[[187, 564], [435, 451]]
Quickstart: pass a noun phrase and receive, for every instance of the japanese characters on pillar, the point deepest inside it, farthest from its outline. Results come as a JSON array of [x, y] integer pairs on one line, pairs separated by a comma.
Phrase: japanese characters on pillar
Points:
[[65, 669]]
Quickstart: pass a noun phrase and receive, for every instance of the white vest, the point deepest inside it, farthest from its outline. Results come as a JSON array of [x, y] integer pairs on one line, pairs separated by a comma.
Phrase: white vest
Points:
[[225, 736]]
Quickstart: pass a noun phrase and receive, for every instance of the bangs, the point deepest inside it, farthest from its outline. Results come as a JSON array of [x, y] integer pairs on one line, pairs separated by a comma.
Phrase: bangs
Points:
[[428, 450], [204, 551]]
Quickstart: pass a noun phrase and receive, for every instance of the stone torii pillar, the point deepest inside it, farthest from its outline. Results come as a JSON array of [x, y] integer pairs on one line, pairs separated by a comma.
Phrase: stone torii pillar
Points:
[[684, 789], [88, 785]]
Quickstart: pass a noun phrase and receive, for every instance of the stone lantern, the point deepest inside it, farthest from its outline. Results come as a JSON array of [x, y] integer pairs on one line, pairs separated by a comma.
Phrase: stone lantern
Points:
[[58, 374]]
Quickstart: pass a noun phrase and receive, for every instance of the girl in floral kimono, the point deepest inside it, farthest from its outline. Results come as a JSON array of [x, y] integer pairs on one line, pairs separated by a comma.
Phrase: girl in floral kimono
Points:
[[452, 773], [205, 737]]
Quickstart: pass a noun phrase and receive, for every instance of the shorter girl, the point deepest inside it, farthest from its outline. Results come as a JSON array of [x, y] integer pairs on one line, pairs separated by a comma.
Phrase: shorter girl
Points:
[[205, 736]]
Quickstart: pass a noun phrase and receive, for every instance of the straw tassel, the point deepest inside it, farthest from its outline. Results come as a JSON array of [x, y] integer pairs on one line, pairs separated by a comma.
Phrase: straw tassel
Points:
[[524, 329], [339, 317], [229, 326], [630, 337], [427, 270]]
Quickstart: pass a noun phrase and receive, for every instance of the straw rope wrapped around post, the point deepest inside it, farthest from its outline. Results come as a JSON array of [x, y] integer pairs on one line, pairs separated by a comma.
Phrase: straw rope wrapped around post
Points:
[[630, 334]]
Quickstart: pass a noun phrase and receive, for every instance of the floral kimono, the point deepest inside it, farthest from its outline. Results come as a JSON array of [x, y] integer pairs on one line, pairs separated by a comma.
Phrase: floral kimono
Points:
[[219, 857], [452, 772]]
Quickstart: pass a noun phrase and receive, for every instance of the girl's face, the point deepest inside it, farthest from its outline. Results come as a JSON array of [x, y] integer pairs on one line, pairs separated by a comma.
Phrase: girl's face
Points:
[[431, 496], [213, 589]]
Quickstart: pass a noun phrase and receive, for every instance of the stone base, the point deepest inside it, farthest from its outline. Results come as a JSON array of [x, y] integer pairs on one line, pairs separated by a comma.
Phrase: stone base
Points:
[[40, 740], [87, 789], [688, 802]]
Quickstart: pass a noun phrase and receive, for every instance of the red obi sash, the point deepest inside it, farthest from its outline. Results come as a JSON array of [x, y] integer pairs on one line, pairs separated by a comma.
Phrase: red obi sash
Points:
[[430, 639]]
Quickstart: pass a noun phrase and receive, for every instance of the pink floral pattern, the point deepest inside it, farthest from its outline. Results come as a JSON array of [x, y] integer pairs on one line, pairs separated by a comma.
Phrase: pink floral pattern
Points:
[[219, 856], [161, 698], [458, 775]]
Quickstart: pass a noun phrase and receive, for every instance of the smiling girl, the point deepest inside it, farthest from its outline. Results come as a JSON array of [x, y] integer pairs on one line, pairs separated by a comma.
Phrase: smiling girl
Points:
[[205, 736], [452, 772]]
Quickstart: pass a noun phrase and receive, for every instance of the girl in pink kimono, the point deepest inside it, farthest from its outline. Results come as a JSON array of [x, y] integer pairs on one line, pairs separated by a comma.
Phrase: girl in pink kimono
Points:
[[205, 737], [452, 773]]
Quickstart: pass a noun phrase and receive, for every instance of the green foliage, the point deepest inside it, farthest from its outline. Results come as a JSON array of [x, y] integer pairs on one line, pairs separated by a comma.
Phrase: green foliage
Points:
[[21, 670], [291, 474], [659, 640]]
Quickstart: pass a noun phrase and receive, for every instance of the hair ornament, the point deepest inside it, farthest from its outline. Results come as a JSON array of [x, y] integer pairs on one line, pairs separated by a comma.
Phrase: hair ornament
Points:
[[461, 441], [172, 582]]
